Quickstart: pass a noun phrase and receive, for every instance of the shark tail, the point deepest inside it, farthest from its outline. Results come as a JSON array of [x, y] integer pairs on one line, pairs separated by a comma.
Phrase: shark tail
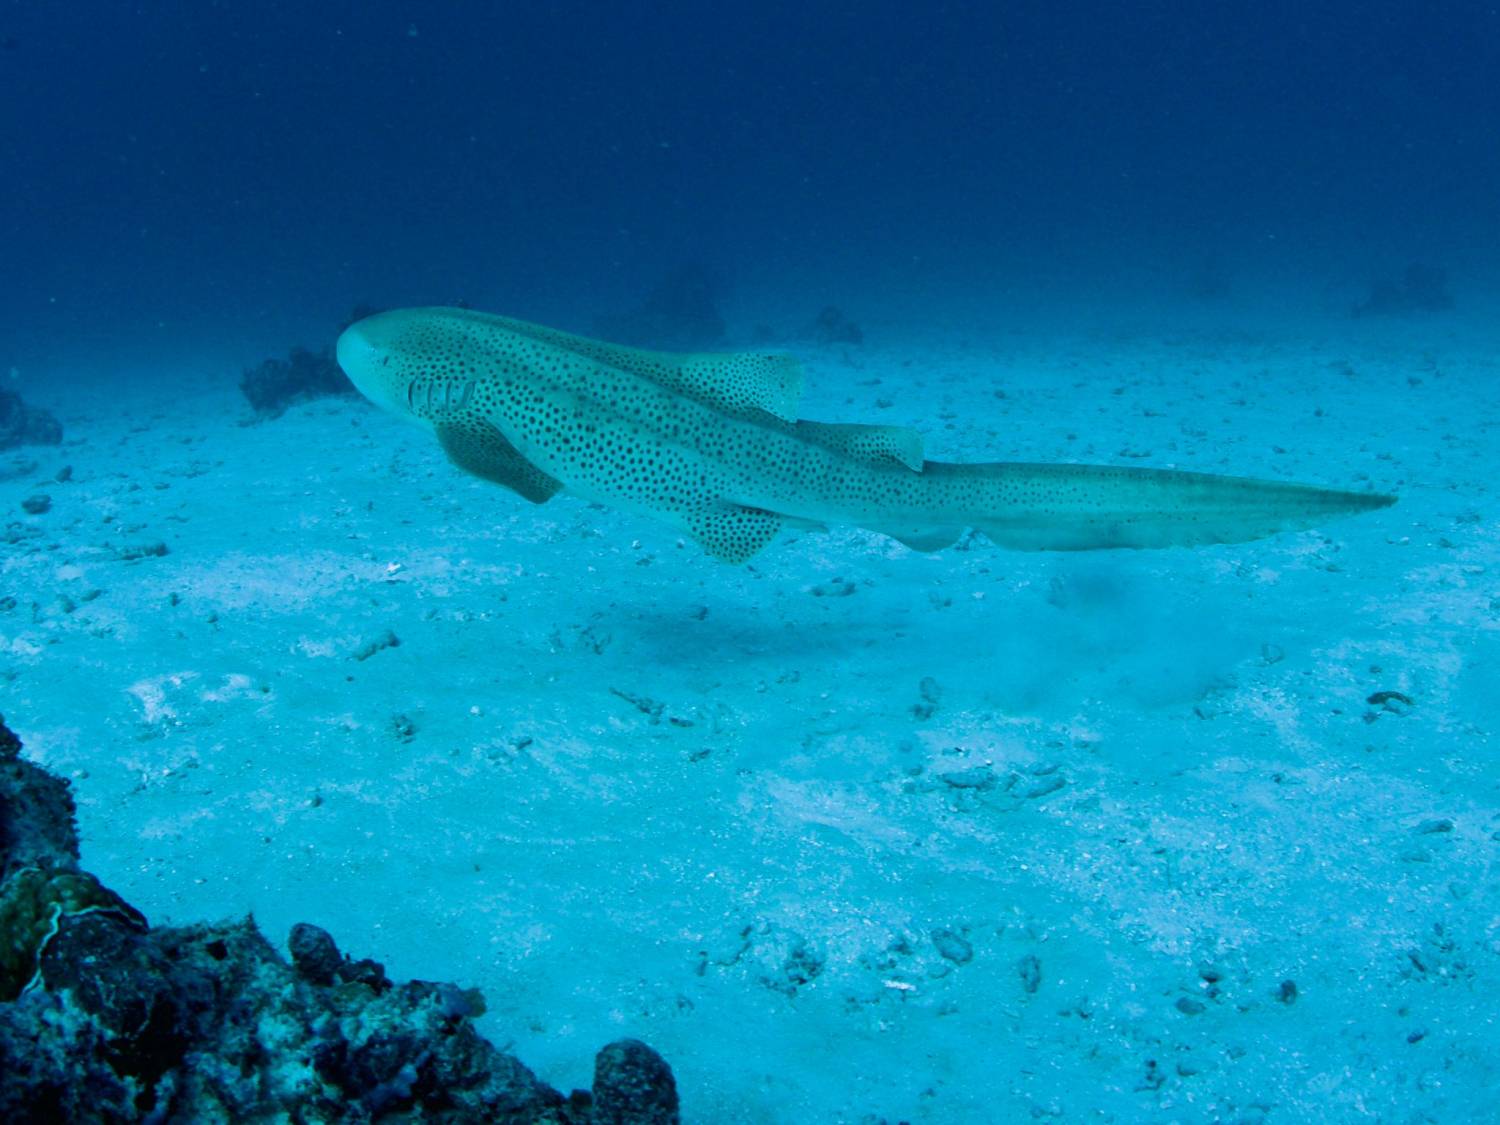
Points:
[[1040, 507]]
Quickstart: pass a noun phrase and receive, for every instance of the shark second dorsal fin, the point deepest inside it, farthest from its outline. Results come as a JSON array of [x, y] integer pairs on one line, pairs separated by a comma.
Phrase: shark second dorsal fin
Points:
[[477, 447], [867, 443]]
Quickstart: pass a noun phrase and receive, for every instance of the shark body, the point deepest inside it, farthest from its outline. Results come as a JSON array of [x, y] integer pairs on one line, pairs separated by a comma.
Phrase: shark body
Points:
[[711, 444]]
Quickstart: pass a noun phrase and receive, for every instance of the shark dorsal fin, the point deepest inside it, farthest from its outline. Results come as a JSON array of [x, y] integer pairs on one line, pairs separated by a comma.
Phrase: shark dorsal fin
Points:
[[867, 443], [742, 383]]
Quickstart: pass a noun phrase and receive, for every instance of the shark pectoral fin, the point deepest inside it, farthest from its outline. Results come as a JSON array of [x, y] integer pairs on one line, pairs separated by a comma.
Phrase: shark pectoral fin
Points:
[[477, 447], [742, 381], [730, 532], [867, 443]]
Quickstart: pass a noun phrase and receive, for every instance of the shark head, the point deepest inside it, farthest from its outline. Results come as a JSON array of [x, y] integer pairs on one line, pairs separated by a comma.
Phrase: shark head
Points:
[[440, 369], [419, 364], [370, 353]]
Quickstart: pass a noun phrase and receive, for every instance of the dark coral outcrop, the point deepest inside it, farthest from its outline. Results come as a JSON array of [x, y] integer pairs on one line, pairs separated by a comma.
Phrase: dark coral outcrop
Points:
[[680, 314], [21, 424], [104, 1018], [633, 1086], [274, 385], [1420, 289]]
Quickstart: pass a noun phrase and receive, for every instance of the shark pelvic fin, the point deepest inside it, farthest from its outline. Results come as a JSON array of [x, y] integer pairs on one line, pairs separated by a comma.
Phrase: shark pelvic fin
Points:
[[730, 532], [478, 447]]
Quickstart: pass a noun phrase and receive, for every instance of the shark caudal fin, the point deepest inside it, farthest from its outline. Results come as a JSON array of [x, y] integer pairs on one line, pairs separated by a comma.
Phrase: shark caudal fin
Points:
[[1038, 507]]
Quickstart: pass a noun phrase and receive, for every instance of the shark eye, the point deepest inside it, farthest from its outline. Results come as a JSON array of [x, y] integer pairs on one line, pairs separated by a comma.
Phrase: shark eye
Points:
[[385, 361]]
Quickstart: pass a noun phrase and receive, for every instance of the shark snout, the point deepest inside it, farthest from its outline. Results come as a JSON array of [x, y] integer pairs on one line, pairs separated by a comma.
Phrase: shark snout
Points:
[[356, 351], [368, 364]]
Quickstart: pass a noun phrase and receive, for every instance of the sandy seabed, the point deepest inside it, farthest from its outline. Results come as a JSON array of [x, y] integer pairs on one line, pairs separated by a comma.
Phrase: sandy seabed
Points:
[[853, 833]]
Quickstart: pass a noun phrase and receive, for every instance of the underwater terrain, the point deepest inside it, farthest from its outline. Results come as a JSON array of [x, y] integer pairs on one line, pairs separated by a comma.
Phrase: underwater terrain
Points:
[[851, 833], [400, 798]]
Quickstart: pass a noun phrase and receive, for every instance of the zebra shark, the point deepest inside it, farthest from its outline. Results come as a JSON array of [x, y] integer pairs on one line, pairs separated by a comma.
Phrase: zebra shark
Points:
[[711, 444]]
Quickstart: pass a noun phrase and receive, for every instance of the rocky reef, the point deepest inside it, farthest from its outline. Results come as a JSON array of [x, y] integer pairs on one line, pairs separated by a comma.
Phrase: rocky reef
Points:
[[1420, 289], [275, 385], [680, 314], [831, 326], [104, 1018], [22, 424]]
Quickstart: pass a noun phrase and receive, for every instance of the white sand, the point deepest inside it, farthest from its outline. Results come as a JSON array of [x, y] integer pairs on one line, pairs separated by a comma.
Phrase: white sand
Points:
[[643, 784]]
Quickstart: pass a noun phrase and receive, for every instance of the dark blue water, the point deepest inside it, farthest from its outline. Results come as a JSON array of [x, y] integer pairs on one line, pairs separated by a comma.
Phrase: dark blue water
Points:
[[230, 177]]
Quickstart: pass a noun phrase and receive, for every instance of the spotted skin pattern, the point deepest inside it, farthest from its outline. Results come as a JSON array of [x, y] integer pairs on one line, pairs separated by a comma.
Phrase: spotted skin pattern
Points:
[[712, 445]]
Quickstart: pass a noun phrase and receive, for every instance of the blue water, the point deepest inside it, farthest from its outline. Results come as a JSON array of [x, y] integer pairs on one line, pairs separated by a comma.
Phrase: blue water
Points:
[[233, 174], [1125, 233]]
